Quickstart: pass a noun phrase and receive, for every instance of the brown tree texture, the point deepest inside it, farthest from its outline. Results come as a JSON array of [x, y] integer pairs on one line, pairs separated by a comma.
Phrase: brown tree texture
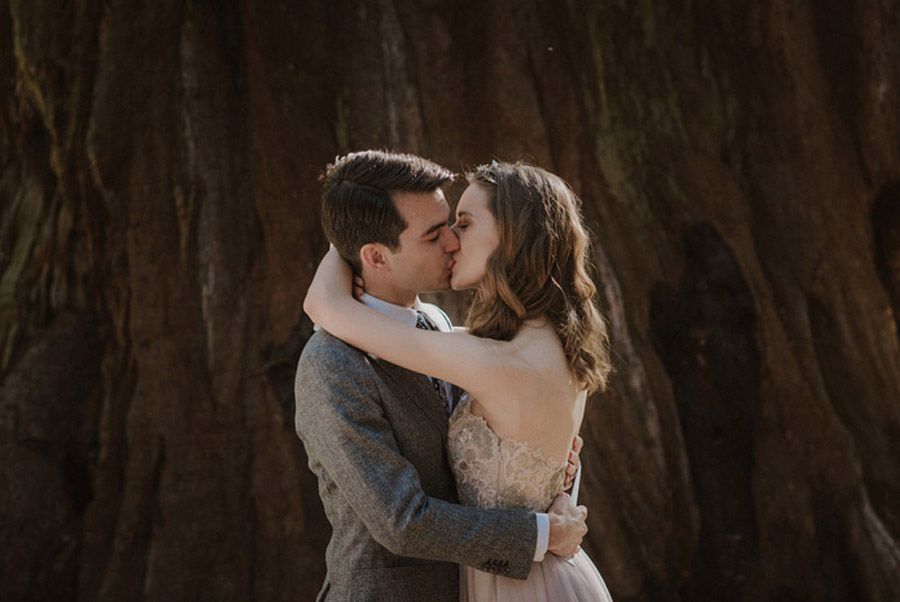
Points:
[[740, 169]]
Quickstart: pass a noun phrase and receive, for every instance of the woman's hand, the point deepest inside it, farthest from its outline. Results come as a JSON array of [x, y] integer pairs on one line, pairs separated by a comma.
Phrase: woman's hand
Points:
[[332, 284], [359, 287]]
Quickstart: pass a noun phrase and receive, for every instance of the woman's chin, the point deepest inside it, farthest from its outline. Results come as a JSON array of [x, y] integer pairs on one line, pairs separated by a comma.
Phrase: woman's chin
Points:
[[458, 284]]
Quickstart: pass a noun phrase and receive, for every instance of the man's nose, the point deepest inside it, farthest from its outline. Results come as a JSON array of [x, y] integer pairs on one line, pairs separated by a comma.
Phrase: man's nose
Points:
[[450, 241]]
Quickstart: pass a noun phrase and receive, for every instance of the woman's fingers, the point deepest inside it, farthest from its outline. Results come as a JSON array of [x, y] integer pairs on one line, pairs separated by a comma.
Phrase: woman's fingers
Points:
[[359, 287]]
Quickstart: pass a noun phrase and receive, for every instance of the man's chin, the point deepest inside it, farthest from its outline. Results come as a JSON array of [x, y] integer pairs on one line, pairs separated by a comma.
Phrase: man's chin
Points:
[[439, 287]]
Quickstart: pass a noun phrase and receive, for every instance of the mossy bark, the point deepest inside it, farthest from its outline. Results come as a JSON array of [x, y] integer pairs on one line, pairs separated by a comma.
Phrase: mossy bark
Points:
[[740, 171]]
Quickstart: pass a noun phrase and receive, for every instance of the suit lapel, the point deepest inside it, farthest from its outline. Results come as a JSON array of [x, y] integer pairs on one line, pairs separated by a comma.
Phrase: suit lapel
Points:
[[418, 390]]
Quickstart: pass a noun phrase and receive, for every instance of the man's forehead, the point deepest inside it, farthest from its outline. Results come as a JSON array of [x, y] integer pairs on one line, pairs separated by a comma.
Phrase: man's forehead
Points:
[[421, 205], [422, 212]]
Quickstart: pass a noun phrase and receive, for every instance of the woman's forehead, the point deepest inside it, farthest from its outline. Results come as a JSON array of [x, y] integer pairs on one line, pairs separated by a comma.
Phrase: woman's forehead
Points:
[[473, 199]]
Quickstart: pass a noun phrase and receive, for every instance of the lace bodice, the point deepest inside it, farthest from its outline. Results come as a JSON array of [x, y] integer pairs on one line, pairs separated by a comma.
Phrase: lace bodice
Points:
[[499, 473]]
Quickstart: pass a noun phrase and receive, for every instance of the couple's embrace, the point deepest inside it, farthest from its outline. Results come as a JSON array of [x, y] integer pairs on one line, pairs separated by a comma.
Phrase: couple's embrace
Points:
[[440, 451]]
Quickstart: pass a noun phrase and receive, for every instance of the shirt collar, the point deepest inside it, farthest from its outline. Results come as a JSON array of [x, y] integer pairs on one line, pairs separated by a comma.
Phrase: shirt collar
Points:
[[407, 315]]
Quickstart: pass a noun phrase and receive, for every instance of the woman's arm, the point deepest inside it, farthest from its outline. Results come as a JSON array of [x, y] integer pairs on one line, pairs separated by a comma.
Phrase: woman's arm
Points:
[[475, 364]]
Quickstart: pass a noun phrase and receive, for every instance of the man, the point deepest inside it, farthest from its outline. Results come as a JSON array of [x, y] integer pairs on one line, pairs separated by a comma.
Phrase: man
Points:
[[376, 433]]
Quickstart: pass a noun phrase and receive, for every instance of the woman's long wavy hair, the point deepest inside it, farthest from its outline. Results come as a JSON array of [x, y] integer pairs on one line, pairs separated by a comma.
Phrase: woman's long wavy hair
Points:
[[540, 268]]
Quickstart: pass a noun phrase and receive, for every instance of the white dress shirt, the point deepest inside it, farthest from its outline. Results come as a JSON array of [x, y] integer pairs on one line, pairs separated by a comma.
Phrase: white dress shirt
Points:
[[409, 315]]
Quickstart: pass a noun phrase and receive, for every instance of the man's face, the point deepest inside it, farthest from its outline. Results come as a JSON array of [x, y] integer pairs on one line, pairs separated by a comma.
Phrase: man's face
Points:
[[423, 260]]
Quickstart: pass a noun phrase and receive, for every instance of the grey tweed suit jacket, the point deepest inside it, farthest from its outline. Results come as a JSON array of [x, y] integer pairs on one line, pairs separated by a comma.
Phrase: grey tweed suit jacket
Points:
[[375, 435]]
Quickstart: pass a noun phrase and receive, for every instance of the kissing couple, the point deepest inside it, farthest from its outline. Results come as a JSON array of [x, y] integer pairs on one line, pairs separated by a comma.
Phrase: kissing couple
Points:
[[442, 452]]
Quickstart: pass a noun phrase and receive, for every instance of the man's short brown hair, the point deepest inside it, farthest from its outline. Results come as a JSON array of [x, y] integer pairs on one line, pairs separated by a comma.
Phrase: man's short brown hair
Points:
[[357, 203]]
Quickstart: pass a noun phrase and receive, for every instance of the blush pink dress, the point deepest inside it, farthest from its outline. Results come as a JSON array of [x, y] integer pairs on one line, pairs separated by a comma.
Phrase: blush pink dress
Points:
[[500, 473]]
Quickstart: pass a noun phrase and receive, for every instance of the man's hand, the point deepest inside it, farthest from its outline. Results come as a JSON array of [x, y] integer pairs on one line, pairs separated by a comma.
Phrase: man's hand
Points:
[[567, 526], [573, 463]]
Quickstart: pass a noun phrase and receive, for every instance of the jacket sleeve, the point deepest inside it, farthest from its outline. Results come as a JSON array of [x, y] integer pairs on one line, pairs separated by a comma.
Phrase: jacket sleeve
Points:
[[340, 420]]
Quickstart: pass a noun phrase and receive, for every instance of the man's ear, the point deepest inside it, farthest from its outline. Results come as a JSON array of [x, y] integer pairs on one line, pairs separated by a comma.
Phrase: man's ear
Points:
[[374, 257]]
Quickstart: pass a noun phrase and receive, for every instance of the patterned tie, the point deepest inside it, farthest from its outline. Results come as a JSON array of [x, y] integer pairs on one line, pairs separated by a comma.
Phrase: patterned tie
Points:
[[423, 323]]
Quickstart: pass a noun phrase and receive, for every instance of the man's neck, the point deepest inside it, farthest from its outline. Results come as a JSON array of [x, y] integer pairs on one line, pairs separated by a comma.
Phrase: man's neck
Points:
[[391, 295]]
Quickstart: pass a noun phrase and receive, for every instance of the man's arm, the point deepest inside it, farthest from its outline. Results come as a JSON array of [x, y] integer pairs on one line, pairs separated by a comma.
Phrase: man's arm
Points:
[[343, 427]]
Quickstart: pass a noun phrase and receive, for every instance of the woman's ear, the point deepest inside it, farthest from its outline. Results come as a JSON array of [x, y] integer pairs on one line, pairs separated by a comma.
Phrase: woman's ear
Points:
[[373, 257]]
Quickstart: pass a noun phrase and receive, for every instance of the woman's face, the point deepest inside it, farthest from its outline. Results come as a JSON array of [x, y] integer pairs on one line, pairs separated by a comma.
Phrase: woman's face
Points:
[[478, 237]]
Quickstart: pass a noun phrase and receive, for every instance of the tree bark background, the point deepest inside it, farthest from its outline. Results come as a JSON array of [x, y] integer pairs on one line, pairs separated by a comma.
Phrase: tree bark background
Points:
[[740, 170]]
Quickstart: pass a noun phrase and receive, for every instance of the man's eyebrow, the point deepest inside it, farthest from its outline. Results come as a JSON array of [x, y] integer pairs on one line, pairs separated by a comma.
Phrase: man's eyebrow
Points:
[[433, 229]]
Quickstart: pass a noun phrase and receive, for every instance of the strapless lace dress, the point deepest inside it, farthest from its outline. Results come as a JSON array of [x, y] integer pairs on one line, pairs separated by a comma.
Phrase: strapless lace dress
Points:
[[501, 473]]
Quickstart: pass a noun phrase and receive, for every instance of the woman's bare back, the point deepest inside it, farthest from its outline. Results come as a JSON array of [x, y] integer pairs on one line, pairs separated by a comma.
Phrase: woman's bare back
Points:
[[536, 401]]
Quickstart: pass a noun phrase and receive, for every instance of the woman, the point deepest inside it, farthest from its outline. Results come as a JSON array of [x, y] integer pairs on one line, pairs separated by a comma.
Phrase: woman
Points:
[[535, 347]]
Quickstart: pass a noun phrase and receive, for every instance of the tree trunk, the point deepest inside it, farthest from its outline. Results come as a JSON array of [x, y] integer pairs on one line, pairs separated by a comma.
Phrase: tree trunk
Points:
[[740, 171]]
